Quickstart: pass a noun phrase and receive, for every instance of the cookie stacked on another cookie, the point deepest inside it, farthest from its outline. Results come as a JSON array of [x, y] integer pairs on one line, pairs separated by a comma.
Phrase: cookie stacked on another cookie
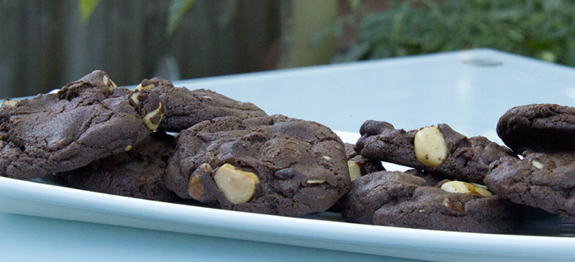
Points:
[[184, 108], [425, 197], [436, 149], [104, 138], [86, 120], [544, 128], [544, 135]]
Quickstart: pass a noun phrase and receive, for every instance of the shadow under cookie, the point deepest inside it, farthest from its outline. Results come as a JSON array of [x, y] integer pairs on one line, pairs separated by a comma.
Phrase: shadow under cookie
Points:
[[135, 173]]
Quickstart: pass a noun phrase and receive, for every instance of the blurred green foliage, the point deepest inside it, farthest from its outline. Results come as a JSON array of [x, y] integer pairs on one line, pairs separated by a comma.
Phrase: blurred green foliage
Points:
[[177, 10], [87, 8], [543, 29]]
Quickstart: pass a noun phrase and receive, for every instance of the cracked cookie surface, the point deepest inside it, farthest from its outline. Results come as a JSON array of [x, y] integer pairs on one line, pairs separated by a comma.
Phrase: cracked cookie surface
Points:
[[286, 166], [467, 159], [538, 128], [541, 180], [393, 198], [184, 108], [86, 120], [137, 172]]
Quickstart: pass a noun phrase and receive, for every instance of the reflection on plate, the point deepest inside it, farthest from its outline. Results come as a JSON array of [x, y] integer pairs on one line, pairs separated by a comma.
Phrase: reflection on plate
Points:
[[325, 230]]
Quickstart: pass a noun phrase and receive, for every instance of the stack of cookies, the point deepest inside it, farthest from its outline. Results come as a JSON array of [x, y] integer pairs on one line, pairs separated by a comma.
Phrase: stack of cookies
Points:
[[468, 184], [166, 143], [97, 136], [443, 191], [544, 176]]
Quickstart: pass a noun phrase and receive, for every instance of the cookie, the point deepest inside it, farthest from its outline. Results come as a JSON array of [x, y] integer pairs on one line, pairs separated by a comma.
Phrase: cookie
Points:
[[184, 108], [359, 165], [541, 180], [86, 120], [436, 149], [271, 165], [393, 198], [137, 172], [538, 128], [371, 192]]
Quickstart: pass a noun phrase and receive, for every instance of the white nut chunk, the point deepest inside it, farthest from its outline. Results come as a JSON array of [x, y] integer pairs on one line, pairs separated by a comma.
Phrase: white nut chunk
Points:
[[152, 119], [465, 188], [315, 181], [430, 146], [354, 170], [134, 98], [9, 102], [537, 164], [237, 185], [147, 87], [109, 83], [136, 92], [196, 188]]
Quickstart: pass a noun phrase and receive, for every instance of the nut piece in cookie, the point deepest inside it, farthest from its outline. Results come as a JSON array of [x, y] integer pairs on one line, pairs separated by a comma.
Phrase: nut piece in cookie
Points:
[[84, 121], [135, 173], [430, 146], [358, 165], [543, 128], [443, 151], [403, 200], [541, 180], [237, 185], [273, 165], [465, 188], [9, 103], [149, 106], [195, 187]]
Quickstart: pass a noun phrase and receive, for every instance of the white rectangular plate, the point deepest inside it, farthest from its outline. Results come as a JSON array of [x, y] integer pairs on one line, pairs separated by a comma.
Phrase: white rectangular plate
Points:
[[316, 231]]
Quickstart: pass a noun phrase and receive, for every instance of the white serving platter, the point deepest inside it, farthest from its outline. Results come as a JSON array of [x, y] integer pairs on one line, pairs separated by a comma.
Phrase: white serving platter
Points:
[[324, 231]]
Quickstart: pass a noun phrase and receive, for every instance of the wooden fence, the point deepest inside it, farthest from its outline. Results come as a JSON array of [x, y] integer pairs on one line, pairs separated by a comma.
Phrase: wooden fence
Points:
[[44, 44]]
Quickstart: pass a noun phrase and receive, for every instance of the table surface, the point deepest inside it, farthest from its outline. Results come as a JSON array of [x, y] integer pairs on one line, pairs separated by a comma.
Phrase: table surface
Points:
[[469, 90]]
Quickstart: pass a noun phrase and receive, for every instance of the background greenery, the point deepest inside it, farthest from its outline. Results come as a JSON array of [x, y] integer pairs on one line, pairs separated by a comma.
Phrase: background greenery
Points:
[[47, 44], [175, 13], [543, 29]]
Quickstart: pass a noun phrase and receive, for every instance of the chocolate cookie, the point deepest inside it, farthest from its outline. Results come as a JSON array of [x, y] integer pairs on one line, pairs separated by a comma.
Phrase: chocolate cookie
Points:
[[184, 108], [437, 149], [272, 165], [541, 180], [371, 192], [538, 128], [137, 172], [86, 120], [402, 200]]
